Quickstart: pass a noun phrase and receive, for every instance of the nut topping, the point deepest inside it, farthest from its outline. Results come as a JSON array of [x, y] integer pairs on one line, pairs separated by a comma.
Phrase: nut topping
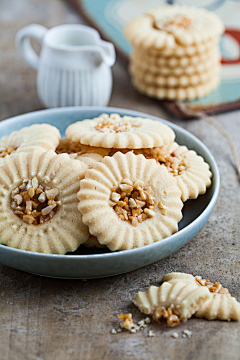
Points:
[[168, 314], [115, 124], [178, 20], [132, 202], [214, 288], [6, 151], [34, 204]]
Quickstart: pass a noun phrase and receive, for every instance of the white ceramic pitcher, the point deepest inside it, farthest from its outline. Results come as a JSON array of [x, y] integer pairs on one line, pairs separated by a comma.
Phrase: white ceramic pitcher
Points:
[[74, 67]]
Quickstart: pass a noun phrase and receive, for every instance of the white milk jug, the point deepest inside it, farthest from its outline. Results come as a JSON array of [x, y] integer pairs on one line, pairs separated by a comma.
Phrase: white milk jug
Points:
[[74, 67]]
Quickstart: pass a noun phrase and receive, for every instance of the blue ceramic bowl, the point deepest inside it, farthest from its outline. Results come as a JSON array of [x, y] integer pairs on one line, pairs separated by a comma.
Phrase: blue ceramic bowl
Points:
[[88, 263]]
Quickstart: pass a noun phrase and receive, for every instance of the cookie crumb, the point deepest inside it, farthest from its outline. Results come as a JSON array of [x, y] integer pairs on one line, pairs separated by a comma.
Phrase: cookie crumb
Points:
[[151, 333], [147, 320], [175, 335], [187, 333], [113, 331]]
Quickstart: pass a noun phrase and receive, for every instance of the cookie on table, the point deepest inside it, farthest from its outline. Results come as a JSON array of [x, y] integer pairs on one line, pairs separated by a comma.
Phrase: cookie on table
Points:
[[113, 131], [176, 301], [178, 93], [170, 26], [39, 204], [128, 201], [221, 305], [35, 137]]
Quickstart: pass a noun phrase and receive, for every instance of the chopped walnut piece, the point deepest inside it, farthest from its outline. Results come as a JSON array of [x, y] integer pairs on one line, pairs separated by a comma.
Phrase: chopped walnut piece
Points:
[[178, 20], [115, 125], [132, 202], [6, 151], [31, 207], [168, 314], [127, 321], [214, 288]]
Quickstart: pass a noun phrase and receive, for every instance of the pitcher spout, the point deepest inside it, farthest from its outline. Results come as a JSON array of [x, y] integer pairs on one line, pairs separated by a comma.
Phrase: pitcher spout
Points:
[[107, 53]]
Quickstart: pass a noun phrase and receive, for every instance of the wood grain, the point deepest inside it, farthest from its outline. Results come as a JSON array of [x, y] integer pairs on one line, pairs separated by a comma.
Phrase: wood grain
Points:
[[49, 319]]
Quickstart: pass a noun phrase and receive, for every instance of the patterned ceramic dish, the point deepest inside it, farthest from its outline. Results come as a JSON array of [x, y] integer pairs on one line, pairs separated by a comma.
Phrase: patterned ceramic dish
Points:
[[87, 263]]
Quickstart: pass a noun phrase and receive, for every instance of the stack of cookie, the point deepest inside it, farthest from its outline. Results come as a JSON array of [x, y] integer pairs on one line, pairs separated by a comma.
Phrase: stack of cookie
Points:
[[176, 52]]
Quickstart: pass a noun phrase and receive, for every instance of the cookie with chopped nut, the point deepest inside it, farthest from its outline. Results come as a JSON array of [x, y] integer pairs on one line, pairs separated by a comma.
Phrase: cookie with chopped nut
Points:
[[38, 203], [113, 131], [35, 137], [139, 198], [190, 170], [221, 305], [87, 154], [174, 302], [173, 26]]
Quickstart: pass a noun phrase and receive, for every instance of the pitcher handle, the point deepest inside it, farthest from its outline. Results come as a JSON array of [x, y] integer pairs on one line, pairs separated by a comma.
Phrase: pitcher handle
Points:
[[23, 42]]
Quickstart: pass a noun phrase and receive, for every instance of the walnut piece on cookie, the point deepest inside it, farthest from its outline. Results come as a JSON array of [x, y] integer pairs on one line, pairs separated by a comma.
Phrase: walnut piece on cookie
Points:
[[113, 131], [136, 196], [38, 203], [35, 137], [221, 305]]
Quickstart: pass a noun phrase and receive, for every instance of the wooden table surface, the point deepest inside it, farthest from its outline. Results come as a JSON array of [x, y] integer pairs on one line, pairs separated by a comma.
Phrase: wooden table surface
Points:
[[47, 319]]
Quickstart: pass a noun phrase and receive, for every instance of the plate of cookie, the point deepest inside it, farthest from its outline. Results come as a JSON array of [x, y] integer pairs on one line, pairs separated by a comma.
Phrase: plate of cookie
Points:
[[89, 192]]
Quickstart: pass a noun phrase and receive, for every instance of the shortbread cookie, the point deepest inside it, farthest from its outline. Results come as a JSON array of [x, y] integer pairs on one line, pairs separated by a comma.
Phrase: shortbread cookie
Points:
[[160, 61], [137, 67], [185, 80], [92, 242], [128, 201], [180, 93], [182, 299], [172, 25], [120, 132], [38, 203], [180, 51], [35, 137], [221, 305], [190, 170], [87, 154]]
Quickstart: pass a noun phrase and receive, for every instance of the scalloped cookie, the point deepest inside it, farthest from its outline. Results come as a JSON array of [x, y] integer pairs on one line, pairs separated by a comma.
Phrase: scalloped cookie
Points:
[[35, 137], [172, 25], [160, 61], [120, 132], [180, 299], [38, 203], [221, 305], [178, 93], [87, 154], [171, 79], [136, 196]]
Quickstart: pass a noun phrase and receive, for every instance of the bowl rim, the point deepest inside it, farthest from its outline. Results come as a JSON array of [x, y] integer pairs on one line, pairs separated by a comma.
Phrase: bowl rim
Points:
[[103, 109]]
